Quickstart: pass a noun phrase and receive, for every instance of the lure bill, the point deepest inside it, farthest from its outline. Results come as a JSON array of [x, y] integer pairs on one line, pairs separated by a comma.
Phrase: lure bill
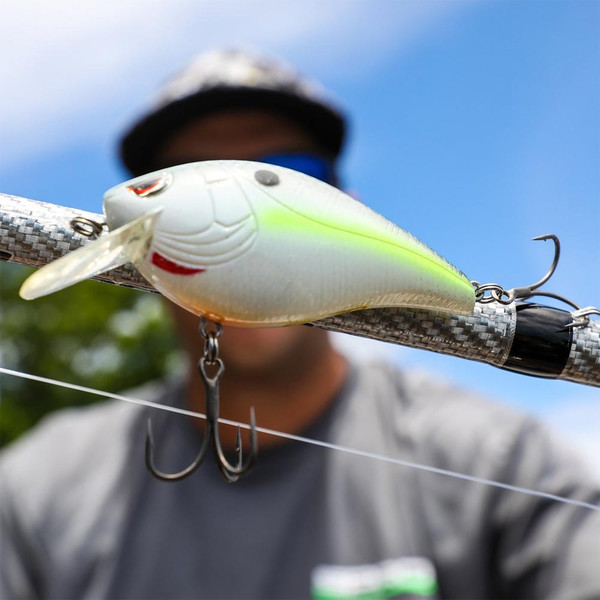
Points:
[[250, 244], [125, 244], [36, 233]]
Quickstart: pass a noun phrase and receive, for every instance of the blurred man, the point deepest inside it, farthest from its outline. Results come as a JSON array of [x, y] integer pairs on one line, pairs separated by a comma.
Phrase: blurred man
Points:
[[82, 518]]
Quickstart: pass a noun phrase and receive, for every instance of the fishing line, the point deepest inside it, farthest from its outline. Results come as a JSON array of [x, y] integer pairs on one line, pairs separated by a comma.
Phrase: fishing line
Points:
[[297, 438]]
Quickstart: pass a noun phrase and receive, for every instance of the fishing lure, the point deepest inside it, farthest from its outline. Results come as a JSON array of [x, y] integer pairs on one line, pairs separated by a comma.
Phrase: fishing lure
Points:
[[250, 244]]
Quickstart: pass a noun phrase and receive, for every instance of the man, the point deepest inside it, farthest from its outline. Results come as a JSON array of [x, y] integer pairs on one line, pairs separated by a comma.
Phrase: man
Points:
[[82, 518]]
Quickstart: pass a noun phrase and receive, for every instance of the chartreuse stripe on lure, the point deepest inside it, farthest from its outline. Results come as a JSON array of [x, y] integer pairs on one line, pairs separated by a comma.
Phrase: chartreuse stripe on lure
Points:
[[253, 244]]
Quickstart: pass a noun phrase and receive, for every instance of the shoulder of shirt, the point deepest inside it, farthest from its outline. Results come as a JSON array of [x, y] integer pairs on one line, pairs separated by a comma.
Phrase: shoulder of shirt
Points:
[[442, 423], [73, 441], [422, 391]]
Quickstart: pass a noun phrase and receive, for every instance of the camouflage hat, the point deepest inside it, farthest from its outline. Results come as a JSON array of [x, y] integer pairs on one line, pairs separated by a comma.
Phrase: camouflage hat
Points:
[[226, 79]]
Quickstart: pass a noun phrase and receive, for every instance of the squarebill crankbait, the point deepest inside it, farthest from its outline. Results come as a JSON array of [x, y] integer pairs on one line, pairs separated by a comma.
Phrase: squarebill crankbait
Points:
[[251, 244]]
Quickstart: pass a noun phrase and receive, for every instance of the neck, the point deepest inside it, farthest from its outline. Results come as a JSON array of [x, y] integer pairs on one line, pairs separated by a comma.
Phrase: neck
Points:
[[288, 398]]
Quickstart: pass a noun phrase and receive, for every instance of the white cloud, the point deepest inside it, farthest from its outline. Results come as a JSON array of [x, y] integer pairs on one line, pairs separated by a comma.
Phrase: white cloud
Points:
[[69, 67]]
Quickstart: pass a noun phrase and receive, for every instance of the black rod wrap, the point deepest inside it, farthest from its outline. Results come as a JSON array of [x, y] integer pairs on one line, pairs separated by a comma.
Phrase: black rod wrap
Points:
[[542, 341]]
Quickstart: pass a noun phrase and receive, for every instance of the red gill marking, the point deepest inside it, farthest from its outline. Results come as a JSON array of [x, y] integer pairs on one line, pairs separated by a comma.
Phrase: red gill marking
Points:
[[168, 265]]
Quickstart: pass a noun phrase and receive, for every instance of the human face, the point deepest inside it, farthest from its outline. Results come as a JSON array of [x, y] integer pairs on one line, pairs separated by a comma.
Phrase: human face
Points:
[[246, 135], [238, 135]]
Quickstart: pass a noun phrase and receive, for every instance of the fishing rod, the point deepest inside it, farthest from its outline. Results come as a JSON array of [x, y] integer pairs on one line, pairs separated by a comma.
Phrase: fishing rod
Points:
[[503, 330]]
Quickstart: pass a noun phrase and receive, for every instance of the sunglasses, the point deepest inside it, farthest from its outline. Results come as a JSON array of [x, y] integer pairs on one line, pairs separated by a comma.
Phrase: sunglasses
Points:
[[314, 165]]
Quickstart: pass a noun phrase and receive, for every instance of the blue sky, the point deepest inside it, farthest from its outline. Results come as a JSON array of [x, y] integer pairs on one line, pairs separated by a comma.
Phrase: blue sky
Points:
[[475, 126]]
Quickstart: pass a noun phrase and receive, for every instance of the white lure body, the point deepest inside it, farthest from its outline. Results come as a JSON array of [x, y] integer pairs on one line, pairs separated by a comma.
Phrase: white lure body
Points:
[[252, 244]]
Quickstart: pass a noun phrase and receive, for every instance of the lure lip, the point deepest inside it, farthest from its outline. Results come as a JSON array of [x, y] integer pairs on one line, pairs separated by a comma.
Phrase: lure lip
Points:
[[128, 243]]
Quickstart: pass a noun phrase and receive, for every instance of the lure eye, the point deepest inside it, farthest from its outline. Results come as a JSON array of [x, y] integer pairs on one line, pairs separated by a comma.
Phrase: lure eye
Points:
[[148, 187]]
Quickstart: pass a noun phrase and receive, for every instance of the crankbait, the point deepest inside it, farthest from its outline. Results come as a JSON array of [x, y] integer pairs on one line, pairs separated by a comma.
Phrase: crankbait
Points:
[[251, 244]]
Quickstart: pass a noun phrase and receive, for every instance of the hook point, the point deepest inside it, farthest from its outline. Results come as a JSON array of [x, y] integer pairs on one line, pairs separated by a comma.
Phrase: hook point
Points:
[[544, 237]]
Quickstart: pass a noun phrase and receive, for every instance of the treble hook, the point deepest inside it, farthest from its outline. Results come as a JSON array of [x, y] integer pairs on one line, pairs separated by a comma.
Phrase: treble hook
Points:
[[528, 290], [522, 293], [497, 293], [230, 472]]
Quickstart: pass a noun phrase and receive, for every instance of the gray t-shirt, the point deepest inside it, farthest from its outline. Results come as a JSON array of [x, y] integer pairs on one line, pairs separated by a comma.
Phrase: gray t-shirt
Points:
[[82, 518]]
